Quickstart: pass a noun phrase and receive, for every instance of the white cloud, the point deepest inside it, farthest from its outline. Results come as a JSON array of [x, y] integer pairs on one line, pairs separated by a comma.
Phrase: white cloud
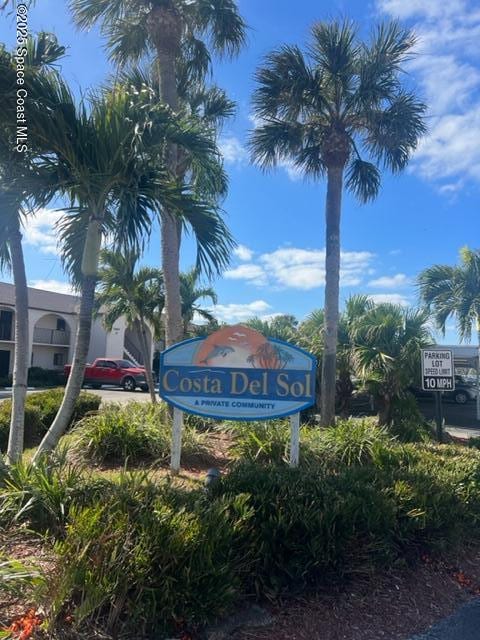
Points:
[[390, 282], [305, 268], [430, 8], [243, 253], [251, 272], [394, 298], [233, 150], [40, 230], [52, 285], [232, 313], [447, 68]]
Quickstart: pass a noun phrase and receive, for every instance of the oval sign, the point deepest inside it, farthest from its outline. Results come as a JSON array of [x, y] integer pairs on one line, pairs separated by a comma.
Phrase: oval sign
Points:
[[237, 374]]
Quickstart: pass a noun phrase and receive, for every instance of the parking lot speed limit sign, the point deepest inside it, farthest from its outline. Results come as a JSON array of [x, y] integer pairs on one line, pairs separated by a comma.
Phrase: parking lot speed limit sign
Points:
[[438, 371]]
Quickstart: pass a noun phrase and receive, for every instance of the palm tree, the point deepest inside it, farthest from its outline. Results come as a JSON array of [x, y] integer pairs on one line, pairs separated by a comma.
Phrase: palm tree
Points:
[[135, 294], [176, 32], [191, 293], [386, 351], [101, 158], [355, 308], [455, 291], [319, 110], [281, 327], [19, 189]]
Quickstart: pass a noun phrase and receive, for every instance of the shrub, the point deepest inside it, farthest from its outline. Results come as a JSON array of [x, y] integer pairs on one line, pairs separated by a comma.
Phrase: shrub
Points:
[[138, 431], [41, 495], [263, 441], [39, 377], [5, 381], [408, 423], [158, 559], [138, 553], [350, 441], [40, 411], [34, 427]]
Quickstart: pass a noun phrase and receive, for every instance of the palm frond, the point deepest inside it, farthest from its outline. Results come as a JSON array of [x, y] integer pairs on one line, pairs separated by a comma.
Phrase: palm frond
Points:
[[363, 179]]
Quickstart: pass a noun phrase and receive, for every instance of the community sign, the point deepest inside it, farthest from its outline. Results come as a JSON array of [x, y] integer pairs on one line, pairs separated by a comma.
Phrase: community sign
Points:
[[237, 374], [438, 371]]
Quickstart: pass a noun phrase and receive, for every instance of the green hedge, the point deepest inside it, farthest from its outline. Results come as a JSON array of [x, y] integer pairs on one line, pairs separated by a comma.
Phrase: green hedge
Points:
[[137, 432], [38, 377], [143, 554], [40, 411]]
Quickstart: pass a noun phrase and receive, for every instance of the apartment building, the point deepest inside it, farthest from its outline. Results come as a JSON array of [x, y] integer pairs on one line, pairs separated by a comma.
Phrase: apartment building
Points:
[[52, 327]]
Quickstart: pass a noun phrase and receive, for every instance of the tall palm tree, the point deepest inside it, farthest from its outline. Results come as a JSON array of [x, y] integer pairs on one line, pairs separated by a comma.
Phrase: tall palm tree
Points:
[[101, 157], [387, 342], [455, 291], [320, 110], [176, 32], [191, 292], [133, 293], [19, 189]]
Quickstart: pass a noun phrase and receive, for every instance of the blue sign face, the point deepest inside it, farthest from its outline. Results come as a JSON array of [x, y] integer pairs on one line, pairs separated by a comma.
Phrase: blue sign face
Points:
[[237, 374]]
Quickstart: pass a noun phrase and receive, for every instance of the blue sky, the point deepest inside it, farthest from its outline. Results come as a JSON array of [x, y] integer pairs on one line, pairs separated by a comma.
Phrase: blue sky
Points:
[[420, 217]]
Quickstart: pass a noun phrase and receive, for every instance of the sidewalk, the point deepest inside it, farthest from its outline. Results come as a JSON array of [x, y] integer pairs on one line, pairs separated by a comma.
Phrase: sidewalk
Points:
[[462, 625]]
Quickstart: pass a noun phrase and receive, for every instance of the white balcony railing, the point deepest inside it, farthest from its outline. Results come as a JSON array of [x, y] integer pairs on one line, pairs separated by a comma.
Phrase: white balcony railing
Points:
[[51, 336]]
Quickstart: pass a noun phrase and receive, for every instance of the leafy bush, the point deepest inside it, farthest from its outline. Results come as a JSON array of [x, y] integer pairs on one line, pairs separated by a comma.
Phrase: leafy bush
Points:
[[40, 411], [158, 558], [138, 431], [408, 423], [351, 441], [263, 441], [34, 427], [39, 377], [135, 552], [41, 495], [5, 381]]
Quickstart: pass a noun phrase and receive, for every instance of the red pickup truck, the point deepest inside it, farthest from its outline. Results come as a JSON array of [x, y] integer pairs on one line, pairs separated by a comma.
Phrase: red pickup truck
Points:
[[121, 373]]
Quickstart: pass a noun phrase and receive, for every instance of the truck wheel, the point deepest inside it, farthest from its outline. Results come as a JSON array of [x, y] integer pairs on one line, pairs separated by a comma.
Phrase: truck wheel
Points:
[[129, 384], [460, 397]]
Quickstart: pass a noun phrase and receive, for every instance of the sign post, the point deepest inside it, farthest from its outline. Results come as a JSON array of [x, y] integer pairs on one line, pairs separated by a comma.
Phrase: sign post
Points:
[[237, 374], [294, 439], [177, 429], [438, 375]]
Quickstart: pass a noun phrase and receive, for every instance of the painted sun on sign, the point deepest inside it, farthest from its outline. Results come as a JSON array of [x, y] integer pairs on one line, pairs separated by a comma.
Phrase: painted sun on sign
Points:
[[237, 373], [242, 347]]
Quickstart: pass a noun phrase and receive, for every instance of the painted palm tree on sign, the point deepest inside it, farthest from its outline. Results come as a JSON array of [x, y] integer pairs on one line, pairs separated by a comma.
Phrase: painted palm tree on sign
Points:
[[455, 292], [321, 111], [176, 32], [133, 293]]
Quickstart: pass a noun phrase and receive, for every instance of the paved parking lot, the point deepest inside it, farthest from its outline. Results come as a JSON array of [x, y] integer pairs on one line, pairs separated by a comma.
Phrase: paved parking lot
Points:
[[115, 394]]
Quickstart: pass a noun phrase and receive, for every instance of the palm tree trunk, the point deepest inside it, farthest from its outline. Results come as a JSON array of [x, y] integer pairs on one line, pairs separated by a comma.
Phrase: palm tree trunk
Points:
[[332, 289], [147, 359], [91, 254], [20, 366], [171, 279], [385, 411], [165, 29], [478, 369]]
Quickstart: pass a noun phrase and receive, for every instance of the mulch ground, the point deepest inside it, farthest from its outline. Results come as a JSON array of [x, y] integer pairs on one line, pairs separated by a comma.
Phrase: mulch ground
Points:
[[392, 606]]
